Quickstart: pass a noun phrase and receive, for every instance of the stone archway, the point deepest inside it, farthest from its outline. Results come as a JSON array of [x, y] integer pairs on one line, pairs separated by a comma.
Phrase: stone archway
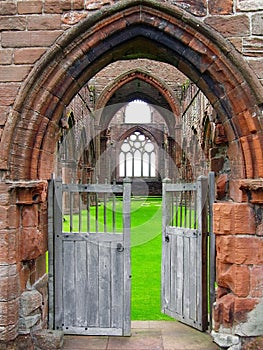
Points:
[[202, 55], [160, 32]]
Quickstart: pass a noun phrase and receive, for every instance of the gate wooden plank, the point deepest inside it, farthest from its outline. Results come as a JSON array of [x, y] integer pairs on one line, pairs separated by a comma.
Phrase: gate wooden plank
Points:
[[171, 267], [180, 275], [186, 277], [69, 297], [194, 276], [185, 255], [81, 279], [117, 268], [93, 277], [104, 285], [93, 284]]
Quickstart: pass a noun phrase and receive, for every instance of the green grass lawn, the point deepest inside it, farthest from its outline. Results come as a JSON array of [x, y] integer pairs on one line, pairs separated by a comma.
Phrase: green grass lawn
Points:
[[146, 227], [146, 239]]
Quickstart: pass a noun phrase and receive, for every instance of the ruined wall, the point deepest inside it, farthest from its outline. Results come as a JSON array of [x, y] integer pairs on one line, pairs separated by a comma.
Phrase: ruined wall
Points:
[[28, 30]]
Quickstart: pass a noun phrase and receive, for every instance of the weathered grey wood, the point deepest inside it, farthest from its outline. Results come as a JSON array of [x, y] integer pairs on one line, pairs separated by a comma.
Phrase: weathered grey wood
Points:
[[180, 187], [98, 188], [51, 253], [69, 296], [117, 261], [58, 276], [93, 331], [202, 193], [184, 262], [93, 284], [212, 249], [193, 280], [81, 279], [93, 268], [127, 258]]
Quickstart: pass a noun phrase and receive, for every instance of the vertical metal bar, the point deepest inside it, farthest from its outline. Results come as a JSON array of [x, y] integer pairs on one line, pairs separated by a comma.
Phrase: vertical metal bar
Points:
[[127, 258], [97, 212], [70, 211], [88, 212], [176, 206], [105, 209], [172, 209], [212, 249], [181, 210], [114, 213], [185, 208], [80, 213], [195, 210], [190, 209]]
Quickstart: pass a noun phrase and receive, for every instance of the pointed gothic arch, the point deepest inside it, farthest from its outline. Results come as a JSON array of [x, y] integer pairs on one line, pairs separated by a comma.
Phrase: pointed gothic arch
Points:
[[168, 104], [133, 29]]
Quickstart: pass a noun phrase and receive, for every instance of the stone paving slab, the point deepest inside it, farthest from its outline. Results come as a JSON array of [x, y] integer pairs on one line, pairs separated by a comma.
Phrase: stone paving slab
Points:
[[146, 335]]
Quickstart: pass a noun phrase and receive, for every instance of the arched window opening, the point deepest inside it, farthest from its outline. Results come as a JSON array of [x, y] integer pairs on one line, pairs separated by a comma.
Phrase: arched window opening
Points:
[[137, 156], [137, 111]]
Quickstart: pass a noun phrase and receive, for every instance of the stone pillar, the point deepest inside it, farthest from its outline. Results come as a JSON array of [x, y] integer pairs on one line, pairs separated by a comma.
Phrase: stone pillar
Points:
[[238, 227], [9, 271], [23, 244]]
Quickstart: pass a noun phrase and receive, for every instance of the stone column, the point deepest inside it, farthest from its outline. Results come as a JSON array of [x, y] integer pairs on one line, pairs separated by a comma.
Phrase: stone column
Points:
[[239, 245], [23, 244], [9, 271]]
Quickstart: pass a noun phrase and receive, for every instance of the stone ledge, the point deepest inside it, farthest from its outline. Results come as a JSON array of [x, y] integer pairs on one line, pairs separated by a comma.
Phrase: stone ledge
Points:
[[47, 339], [254, 190]]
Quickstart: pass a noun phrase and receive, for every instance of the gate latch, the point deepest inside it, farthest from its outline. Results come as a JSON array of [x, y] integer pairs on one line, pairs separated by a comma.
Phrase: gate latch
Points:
[[167, 239], [120, 247]]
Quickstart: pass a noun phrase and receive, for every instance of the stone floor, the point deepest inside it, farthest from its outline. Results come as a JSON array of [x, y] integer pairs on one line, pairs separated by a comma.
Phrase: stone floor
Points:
[[146, 335]]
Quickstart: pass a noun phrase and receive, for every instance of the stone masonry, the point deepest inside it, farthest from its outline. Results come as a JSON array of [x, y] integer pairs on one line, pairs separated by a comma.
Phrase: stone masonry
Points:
[[50, 50]]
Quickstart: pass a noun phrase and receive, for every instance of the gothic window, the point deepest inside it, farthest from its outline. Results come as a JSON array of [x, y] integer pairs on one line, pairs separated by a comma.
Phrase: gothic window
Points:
[[137, 156]]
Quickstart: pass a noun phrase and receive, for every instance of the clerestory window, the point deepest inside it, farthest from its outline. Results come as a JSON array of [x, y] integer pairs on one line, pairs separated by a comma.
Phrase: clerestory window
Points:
[[137, 156]]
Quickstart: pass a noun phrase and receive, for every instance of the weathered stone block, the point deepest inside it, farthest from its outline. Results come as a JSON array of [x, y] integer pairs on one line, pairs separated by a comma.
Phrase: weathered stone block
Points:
[[29, 302], [30, 216], [233, 218], [33, 245], [237, 25], [240, 250], [253, 47], [8, 247], [27, 55], [220, 7], [25, 324], [249, 5], [256, 282], [28, 7], [8, 217], [12, 23], [8, 333], [257, 24], [225, 340], [10, 288], [234, 277], [235, 193], [9, 312], [48, 339]]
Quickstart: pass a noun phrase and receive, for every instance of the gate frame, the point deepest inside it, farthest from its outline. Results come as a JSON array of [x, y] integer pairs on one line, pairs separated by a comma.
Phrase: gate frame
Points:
[[55, 223], [205, 189]]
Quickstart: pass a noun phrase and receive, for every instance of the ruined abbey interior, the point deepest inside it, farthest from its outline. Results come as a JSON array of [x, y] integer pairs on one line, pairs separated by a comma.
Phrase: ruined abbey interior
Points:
[[71, 72]]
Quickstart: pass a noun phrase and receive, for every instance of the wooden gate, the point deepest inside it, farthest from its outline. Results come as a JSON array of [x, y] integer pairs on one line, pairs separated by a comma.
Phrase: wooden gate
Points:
[[184, 252], [89, 258]]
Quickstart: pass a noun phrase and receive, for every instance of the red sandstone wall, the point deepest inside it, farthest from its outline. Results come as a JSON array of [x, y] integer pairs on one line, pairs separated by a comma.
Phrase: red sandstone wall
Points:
[[27, 30]]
